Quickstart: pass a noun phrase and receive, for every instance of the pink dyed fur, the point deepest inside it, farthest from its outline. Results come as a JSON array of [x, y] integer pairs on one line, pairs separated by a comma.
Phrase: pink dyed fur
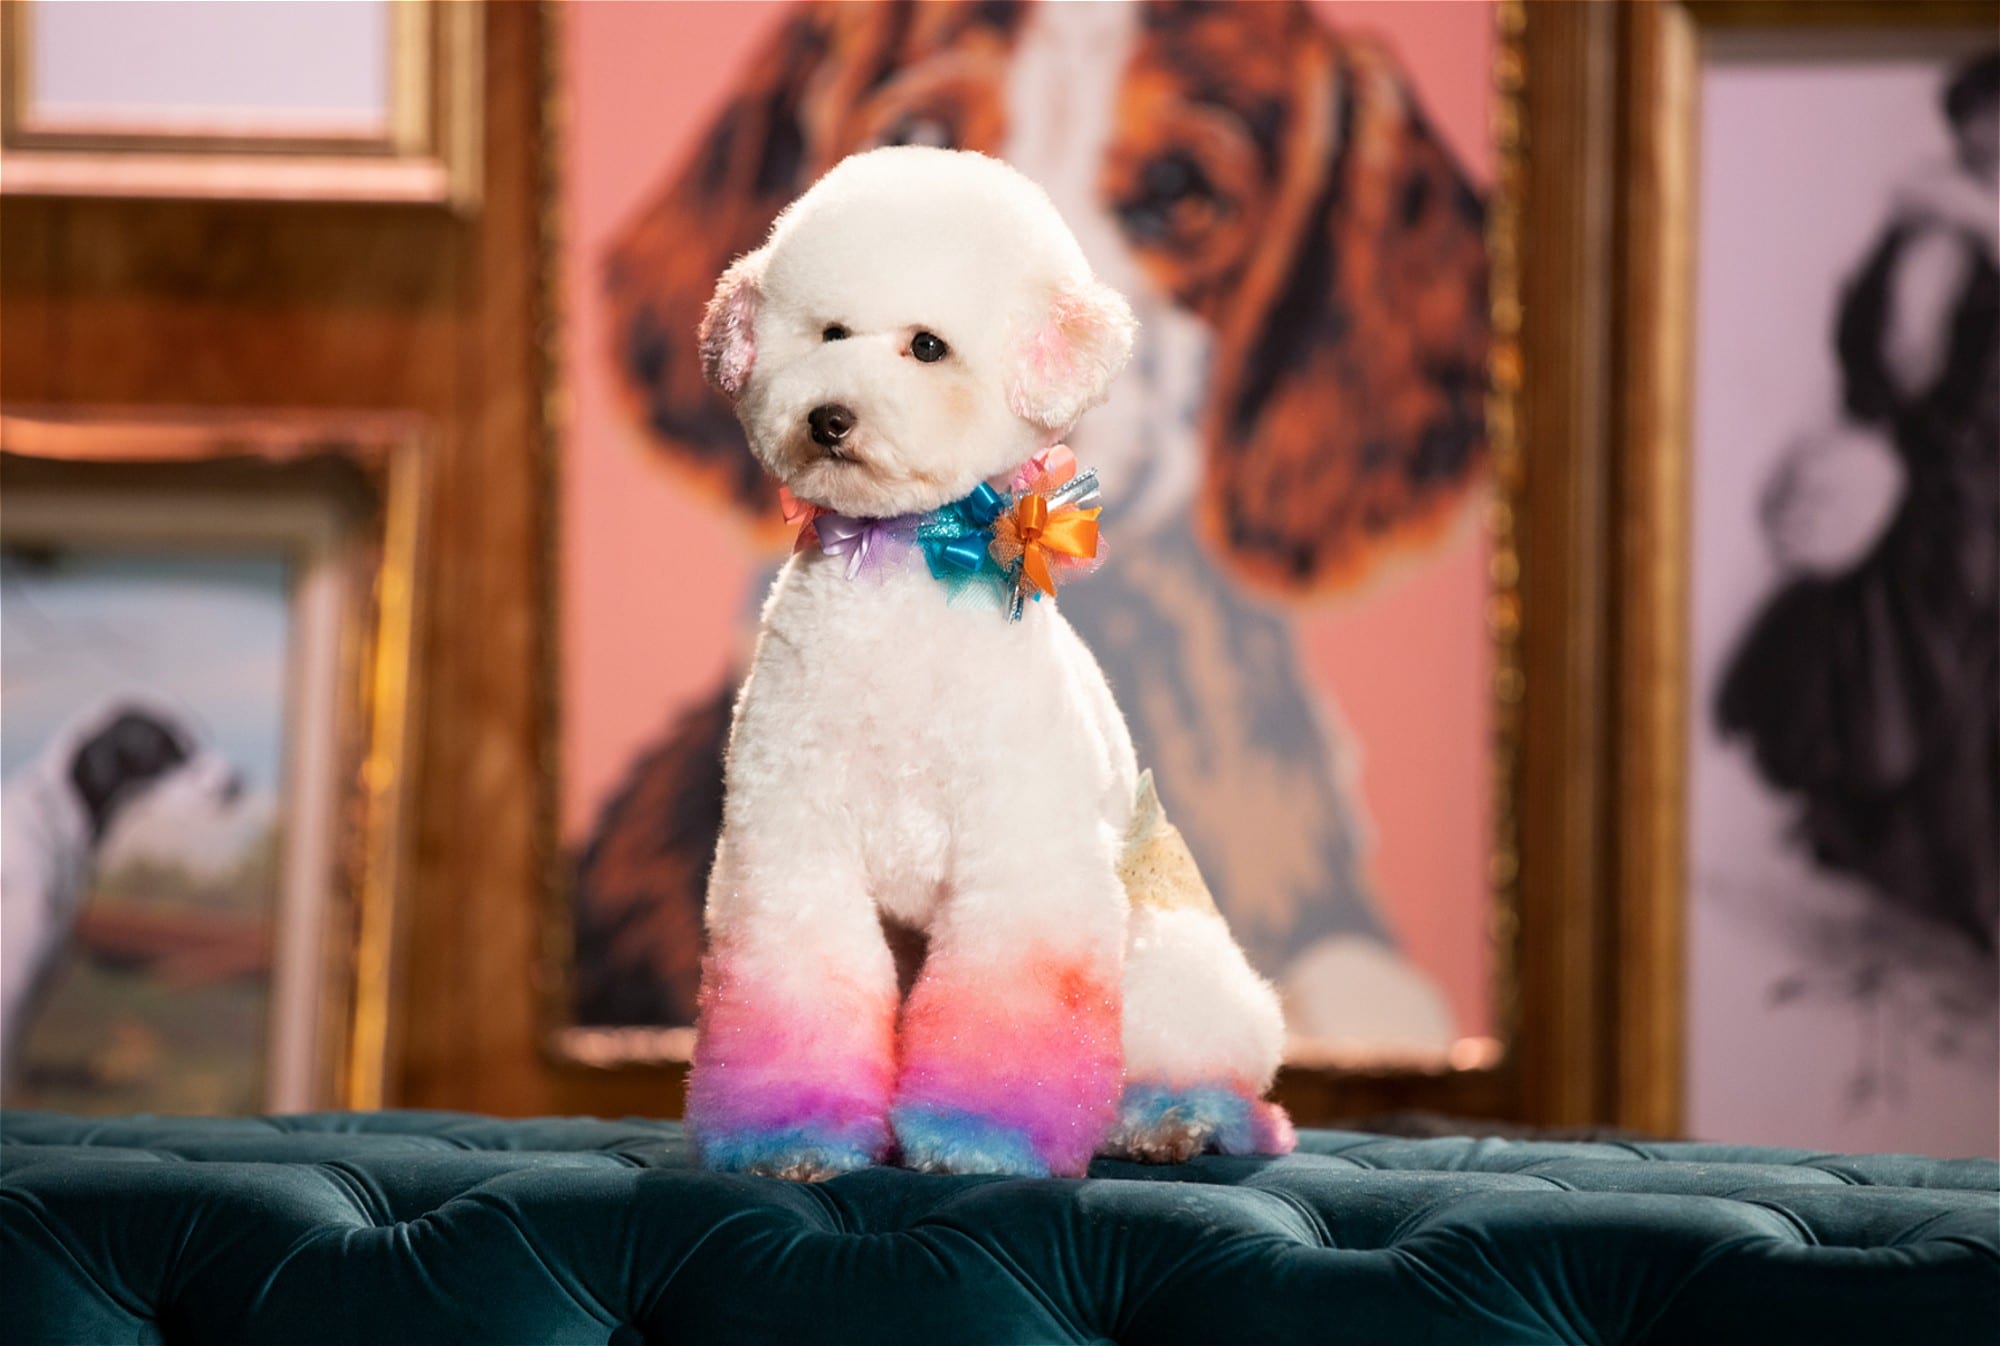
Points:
[[765, 1064], [1271, 1129], [1033, 1047], [1080, 336], [728, 333]]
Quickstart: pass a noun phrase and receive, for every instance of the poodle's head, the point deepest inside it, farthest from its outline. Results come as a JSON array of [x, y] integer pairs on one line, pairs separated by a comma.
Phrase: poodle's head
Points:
[[919, 321]]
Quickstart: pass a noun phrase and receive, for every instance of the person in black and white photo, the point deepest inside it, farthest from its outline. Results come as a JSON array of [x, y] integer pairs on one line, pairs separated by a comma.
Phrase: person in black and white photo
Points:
[[1868, 686]]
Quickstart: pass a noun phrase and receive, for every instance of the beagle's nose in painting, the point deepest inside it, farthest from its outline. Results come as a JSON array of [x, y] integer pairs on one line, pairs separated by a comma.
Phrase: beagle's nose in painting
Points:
[[830, 424]]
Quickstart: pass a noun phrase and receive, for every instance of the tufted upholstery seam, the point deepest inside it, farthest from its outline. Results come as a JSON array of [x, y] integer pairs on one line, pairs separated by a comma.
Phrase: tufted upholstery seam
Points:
[[56, 1235], [1534, 1170], [485, 1199], [1498, 1276], [1441, 1286], [836, 1216], [702, 1240], [1790, 1217], [1132, 1309], [306, 1239], [1312, 1217], [1446, 1240], [1414, 1222], [1914, 1235], [1986, 1251], [1027, 1282], [337, 1172], [1643, 1331]]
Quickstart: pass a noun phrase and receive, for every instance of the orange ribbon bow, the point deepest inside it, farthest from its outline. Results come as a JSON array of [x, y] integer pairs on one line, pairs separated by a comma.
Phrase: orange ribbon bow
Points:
[[1044, 540]]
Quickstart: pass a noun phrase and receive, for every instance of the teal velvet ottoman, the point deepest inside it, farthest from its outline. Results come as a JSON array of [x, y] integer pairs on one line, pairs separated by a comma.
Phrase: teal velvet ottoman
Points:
[[425, 1227]]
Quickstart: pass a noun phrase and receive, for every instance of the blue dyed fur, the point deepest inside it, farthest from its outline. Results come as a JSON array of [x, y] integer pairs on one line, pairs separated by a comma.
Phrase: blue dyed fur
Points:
[[950, 1141], [1221, 1112], [777, 1151]]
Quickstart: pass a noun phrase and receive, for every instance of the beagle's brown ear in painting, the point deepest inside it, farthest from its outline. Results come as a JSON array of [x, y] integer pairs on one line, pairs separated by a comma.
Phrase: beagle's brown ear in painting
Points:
[[773, 137], [1347, 415], [835, 78]]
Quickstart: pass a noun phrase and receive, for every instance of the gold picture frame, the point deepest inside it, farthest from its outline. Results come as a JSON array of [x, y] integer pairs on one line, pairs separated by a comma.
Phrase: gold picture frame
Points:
[[428, 150], [1483, 1076], [1648, 387], [343, 495]]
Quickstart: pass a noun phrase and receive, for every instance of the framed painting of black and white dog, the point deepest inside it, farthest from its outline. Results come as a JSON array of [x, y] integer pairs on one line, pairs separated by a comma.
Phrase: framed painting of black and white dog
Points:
[[205, 640]]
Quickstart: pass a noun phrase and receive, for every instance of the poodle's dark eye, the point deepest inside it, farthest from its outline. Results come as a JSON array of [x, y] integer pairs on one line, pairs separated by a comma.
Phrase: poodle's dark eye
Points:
[[928, 347], [834, 332]]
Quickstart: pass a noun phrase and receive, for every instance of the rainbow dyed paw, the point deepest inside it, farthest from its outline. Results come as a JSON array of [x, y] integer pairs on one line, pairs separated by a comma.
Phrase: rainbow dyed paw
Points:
[[795, 1154], [947, 1140], [1171, 1124]]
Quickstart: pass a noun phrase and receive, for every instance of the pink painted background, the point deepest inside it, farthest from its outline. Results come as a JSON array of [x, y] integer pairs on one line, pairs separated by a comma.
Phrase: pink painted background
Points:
[[1406, 660]]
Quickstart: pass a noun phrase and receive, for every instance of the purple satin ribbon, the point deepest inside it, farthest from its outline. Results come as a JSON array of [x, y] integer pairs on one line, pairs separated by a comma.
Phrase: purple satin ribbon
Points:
[[864, 542]]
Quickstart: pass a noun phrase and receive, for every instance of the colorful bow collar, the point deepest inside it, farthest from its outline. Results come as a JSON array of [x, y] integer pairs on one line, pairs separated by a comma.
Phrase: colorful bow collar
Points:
[[988, 548]]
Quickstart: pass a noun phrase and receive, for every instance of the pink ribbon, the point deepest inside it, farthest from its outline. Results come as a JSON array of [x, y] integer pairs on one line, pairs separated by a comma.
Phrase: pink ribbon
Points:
[[1055, 462]]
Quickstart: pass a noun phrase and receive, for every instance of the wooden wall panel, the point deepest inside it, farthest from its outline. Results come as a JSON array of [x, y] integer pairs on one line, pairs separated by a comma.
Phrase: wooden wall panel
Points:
[[418, 309], [471, 1035], [236, 304]]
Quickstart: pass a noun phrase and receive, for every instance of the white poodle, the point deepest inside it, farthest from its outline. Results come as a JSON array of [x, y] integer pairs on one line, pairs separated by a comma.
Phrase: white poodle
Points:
[[909, 753]]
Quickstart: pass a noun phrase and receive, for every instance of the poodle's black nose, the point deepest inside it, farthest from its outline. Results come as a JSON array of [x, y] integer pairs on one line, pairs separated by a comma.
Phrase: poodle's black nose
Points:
[[830, 424]]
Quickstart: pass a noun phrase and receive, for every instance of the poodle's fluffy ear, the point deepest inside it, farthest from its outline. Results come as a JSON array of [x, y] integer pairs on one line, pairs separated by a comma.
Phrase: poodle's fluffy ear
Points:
[[728, 326], [1070, 348]]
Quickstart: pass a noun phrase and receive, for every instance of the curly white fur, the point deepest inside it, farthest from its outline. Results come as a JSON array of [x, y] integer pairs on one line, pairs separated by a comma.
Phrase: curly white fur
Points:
[[895, 756]]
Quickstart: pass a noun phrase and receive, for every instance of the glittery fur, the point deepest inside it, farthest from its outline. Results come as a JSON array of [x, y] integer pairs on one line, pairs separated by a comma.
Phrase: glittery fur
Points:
[[1008, 1058], [728, 340], [1167, 1124], [893, 755], [789, 1086]]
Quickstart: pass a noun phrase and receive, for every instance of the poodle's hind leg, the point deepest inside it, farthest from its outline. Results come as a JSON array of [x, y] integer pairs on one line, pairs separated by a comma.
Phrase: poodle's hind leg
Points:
[[795, 1048], [1203, 1036]]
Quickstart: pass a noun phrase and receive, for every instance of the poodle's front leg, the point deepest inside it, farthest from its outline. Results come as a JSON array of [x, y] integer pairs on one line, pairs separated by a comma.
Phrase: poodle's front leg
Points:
[[1010, 1039], [795, 1053]]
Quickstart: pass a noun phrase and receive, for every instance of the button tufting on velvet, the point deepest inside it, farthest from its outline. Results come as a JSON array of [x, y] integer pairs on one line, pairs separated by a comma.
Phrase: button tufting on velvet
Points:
[[383, 1227]]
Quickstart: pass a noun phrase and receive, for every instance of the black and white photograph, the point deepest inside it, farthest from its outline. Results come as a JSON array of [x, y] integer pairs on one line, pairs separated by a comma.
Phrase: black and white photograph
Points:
[[1844, 762]]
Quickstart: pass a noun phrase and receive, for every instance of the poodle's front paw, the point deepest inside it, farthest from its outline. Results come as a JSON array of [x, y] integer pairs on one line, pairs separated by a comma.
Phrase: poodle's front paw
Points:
[[796, 1154], [1171, 1124], [947, 1140]]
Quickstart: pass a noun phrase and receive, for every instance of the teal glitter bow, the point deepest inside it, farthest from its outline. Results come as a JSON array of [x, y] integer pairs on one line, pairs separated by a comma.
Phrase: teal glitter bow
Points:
[[955, 541]]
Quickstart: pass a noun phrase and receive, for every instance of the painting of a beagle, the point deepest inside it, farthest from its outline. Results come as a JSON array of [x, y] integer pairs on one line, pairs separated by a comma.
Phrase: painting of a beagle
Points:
[[1303, 415]]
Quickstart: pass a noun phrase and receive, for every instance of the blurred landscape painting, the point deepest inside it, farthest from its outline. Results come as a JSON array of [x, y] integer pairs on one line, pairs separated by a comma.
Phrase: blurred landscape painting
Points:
[[142, 715]]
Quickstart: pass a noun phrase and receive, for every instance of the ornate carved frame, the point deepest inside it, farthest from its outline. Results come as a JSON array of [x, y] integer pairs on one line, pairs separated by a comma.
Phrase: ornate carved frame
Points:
[[374, 468]]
